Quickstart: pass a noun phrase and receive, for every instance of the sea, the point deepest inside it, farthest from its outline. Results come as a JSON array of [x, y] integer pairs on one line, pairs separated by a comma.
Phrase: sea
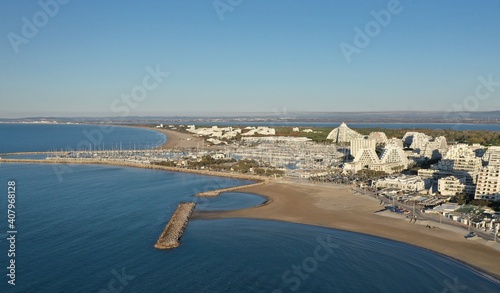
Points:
[[92, 228], [40, 137]]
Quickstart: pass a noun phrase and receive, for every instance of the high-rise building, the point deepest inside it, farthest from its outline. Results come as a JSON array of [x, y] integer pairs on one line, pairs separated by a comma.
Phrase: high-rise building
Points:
[[451, 185], [393, 158], [492, 156], [358, 144], [461, 159], [488, 183]]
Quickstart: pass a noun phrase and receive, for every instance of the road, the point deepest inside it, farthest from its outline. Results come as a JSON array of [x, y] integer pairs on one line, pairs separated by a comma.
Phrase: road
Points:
[[429, 217]]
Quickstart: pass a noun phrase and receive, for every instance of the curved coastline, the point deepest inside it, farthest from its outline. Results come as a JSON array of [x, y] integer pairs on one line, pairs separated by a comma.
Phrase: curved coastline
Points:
[[174, 139], [314, 204], [343, 210], [317, 205]]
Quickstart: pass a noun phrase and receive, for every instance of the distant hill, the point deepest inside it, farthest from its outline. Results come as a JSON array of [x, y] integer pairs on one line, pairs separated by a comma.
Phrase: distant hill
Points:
[[349, 117]]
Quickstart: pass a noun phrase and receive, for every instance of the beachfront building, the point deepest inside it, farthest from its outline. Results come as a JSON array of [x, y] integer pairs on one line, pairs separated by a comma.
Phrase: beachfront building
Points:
[[365, 158], [461, 159], [411, 183], [434, 173], [488, 183], [492, 156], [343, 134], [393, 159], [359, 144], [451, 185]]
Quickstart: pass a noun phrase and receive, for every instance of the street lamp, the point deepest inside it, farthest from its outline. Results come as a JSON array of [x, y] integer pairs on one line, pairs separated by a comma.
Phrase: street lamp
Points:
[[496, 230]]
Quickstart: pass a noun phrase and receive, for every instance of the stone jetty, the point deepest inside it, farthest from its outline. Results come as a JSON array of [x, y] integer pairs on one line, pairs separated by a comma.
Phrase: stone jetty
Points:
[[170, 238], [216, 192]]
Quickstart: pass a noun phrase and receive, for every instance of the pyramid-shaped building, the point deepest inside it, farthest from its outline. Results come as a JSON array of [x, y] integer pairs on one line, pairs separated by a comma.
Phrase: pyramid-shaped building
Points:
[[343, 134]]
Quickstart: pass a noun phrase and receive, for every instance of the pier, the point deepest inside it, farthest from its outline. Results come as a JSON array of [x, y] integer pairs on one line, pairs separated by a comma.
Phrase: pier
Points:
[[216, 192], [170, 237]]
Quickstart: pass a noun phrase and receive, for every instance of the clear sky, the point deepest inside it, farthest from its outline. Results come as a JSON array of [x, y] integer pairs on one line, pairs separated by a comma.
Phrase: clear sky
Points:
[[82, 57]]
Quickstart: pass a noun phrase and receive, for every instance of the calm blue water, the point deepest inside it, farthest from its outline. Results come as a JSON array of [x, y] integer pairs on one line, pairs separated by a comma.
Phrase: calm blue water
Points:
[[77, 232], [48, 137], [92, 229], [27, 156]]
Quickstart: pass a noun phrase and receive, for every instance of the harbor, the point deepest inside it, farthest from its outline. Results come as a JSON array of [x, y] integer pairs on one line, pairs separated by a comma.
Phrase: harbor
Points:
[[170, 237]]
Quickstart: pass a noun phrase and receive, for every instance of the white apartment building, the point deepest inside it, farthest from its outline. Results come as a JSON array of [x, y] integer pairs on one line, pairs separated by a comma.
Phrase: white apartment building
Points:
[[259, 130], [416, 140], [379, 137], [394, 154], [395, 141], [462, 159], [358, 144], [393, 159], [451, 185], [488, 183], [365, 159], [492, 156], [434, 149], [403, 182]]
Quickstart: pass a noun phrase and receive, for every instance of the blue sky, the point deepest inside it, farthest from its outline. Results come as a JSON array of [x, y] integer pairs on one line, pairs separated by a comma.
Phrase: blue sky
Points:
[[255, 56]]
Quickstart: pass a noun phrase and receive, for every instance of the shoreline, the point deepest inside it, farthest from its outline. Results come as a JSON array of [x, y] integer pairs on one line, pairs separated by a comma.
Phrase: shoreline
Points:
[[337, 207], [317, 205], [174, 139], [177, 139]]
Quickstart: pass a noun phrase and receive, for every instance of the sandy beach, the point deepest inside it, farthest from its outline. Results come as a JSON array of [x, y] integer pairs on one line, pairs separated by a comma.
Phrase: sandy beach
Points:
[[338, 207], [177, 139], [331, 206]]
